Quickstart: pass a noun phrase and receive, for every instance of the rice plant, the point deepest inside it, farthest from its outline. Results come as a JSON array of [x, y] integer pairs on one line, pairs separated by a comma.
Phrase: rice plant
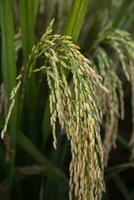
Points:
[[122, 44], [62, 98]]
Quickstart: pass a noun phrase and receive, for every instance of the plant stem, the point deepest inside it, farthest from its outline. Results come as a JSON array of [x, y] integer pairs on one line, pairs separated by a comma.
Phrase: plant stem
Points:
[[9, 73], [76, 18], [27, 26], [28, 11], [8, 48]]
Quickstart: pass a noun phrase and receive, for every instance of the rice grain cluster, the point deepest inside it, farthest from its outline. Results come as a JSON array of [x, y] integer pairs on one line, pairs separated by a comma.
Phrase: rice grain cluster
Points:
[[121, 44], [74, 103]]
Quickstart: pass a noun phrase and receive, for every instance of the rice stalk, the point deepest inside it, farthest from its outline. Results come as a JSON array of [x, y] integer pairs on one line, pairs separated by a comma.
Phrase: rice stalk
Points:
[[75, 106], [76, 17], [8, 63]]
